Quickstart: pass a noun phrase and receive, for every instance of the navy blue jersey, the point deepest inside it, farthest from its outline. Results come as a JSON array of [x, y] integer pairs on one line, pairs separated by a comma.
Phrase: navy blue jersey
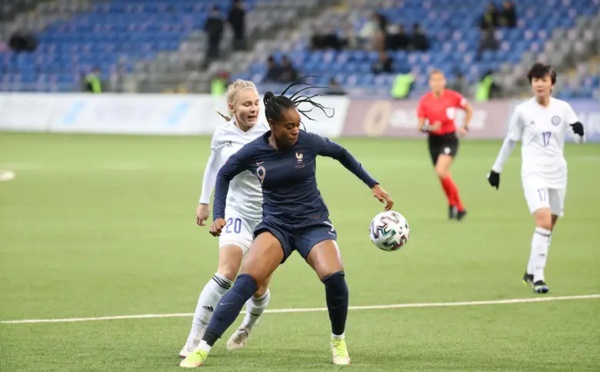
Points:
[[290, 193]]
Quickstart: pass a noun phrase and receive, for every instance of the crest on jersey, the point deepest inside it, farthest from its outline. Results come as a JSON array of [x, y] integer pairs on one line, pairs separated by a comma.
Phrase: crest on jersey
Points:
[[299, 159], [555, 120]]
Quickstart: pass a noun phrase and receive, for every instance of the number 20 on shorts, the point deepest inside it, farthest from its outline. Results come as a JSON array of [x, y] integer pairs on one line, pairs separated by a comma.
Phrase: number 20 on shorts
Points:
[[235, 224]]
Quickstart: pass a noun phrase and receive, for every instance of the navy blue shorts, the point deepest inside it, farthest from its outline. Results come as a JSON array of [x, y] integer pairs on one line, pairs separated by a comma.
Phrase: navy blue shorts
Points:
[[301, 239]]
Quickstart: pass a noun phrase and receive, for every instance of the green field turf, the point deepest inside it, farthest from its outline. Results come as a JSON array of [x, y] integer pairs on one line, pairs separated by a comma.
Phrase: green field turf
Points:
[[105, 226]]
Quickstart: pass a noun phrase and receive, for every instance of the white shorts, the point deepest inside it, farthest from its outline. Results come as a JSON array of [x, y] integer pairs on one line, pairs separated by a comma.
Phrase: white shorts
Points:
[[538, 196], [238, 231]]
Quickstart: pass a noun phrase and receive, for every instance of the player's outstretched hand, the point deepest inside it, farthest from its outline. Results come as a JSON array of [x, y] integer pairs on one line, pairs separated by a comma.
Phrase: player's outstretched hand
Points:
[[217, 226], [383, 197], [202, 213], [577, 128], [494, 179]]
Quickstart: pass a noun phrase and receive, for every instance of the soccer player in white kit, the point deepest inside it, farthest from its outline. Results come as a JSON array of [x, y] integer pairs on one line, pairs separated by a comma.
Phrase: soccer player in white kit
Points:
[[243, 213], [541, 124]]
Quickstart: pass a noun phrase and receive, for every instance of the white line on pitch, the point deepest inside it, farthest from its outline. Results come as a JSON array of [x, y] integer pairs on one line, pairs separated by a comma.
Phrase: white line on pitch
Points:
[[316, 309]]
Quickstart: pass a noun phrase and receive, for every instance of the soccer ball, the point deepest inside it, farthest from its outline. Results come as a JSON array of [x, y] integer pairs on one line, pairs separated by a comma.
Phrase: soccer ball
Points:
[[389, 231]]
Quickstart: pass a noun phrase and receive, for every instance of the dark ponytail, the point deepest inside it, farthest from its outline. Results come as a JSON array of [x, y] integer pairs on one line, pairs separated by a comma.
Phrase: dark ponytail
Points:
[[276, 105]]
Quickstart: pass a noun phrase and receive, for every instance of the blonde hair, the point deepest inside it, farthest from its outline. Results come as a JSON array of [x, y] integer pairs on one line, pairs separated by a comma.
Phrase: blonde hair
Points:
[[436, 71], [233, 90]]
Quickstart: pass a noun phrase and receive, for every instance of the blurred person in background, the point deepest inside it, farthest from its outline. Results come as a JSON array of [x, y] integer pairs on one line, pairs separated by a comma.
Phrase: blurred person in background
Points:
[[487, 88], [349, 38], [508, 16], [384, 64], [287, 71], [214, 30], [487, 41], [460, 83], [402, 85], [23, 40], [436, 113], [335, 89], [419, 38], [237, 20], [218, 84], [326, 39], [489, 18], [371, 34], [396, 38], [273, 71], [92, 82]]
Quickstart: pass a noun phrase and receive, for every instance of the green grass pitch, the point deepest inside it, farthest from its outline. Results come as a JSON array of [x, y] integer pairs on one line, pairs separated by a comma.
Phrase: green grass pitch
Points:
[[104, 225]]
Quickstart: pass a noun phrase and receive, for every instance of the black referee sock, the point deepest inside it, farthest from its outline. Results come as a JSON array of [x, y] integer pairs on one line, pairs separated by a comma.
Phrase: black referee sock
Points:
[[229, 308], [336, 292]]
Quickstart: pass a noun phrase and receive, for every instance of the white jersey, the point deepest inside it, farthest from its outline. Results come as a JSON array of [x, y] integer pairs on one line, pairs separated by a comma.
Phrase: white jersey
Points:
[[542, 131], [245, 192]]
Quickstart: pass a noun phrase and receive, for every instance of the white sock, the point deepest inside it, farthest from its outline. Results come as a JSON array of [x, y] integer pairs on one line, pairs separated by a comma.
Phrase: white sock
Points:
[[539, 253], [204, 346], [338, 337], [254, 309], [210, 296]]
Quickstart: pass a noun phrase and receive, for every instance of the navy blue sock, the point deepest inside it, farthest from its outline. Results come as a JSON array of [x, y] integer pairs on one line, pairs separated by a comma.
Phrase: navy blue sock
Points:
[[229, 308], [336, 292]]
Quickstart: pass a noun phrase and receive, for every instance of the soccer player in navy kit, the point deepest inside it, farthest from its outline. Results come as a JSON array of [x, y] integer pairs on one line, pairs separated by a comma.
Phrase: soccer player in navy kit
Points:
[[295, 217]]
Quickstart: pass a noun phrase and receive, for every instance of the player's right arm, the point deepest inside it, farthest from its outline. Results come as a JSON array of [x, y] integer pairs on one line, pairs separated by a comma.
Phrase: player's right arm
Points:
[[515, 131], [421, 117], [236, 164], [325, 147], [208, 181], [422, 126]]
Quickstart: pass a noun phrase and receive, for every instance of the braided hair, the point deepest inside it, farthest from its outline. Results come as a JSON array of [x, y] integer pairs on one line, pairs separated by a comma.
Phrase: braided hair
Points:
[[276, 105]]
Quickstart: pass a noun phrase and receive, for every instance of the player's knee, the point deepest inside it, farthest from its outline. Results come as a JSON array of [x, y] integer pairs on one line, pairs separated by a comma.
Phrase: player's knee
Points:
[[228, 270], [230, 260], [441, 172], [261, 290], [543, 220], [336, 288], [247, 279], [334, 277]]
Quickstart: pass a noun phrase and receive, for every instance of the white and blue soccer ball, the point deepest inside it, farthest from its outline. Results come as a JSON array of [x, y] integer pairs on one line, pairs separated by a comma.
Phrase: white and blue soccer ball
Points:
[[389, 231]]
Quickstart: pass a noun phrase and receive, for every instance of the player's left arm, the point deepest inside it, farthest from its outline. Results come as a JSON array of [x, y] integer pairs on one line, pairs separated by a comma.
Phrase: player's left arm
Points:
[[515, 131], [468, 116], [325, 147], [577, 130], [468, 109], [236, 164]]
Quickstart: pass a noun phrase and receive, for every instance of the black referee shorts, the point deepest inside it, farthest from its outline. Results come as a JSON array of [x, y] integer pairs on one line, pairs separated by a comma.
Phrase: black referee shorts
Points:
[[444, 144]]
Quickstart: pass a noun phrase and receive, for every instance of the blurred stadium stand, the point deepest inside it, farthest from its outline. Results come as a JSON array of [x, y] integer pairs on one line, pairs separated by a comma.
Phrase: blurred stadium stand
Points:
[[159, 45]]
